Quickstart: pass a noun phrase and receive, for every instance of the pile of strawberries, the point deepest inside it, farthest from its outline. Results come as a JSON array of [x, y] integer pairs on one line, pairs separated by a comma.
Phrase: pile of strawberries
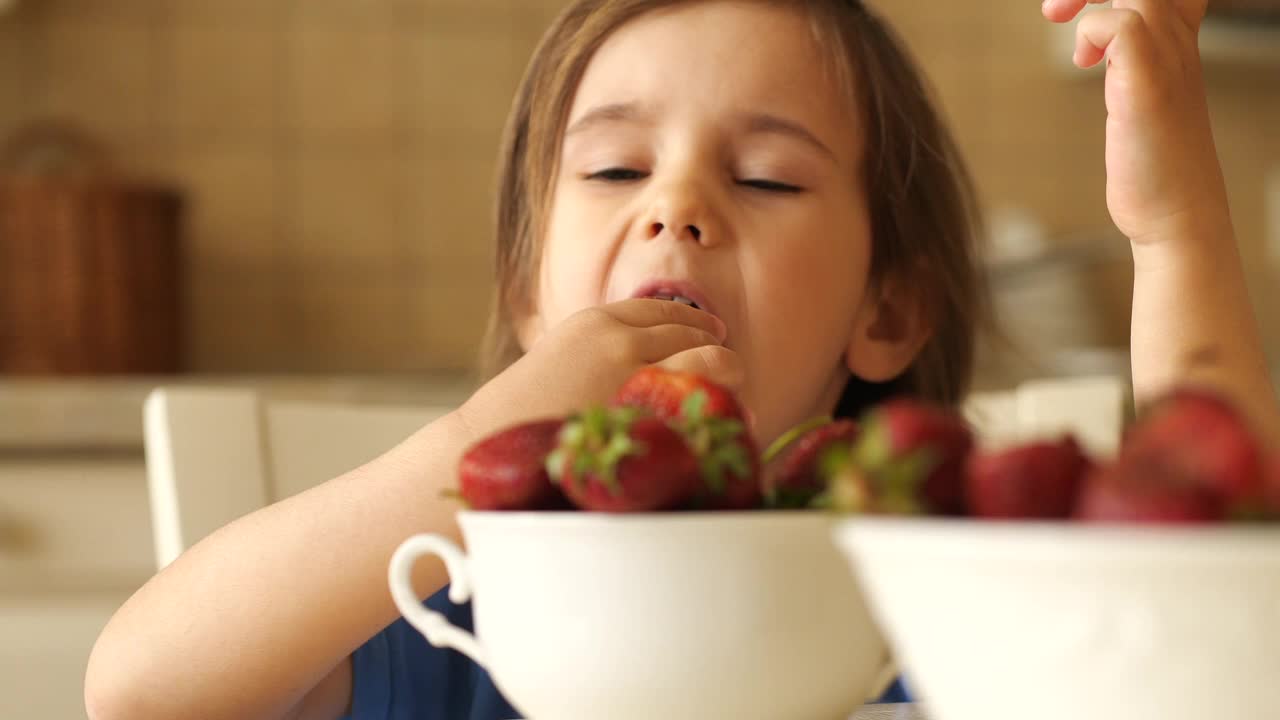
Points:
[[674, 441], [667, 441]]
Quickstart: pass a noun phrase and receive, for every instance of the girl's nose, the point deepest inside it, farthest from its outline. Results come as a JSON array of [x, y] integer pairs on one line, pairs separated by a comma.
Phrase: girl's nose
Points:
[[690, 232], [681, 212]]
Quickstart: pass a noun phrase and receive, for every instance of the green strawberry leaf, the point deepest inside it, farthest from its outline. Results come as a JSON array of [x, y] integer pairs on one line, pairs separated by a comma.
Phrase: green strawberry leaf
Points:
[[555, 464], [789, 498], [834, 459], [724, 429], [901, 481], [849, 491], [582, 465], [723, 458], [694, 405], [735, 458], [620, 446], [873, 447]]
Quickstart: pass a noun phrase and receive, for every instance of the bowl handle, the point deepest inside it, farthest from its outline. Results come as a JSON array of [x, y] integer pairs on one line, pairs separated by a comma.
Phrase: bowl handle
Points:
[[434, 627]]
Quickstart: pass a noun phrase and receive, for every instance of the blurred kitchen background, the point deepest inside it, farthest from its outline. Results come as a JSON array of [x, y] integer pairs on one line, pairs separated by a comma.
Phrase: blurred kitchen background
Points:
[[295, 196], [334, 159]]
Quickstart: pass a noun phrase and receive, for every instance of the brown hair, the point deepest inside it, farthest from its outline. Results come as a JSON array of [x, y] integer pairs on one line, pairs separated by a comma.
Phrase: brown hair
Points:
[[923, 212]]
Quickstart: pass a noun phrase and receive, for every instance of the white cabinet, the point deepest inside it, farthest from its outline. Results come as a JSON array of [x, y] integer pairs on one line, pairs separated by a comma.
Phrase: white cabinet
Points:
[[47, 638], [75, 524], [75, 541]]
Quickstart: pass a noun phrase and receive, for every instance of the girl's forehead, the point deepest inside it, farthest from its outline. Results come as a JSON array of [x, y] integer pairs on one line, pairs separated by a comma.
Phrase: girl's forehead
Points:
[[718, 57]]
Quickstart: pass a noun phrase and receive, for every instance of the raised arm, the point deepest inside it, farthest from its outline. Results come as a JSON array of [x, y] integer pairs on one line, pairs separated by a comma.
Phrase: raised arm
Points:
[[1192, 318]]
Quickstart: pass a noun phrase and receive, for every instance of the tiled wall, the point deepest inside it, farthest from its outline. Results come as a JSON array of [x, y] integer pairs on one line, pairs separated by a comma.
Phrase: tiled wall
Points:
[[1033, 130], [338, 154]]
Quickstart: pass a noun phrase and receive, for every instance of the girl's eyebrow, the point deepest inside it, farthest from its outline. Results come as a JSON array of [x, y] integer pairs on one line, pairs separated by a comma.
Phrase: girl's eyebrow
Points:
[[755, 123], [628, 112], [772, 124]]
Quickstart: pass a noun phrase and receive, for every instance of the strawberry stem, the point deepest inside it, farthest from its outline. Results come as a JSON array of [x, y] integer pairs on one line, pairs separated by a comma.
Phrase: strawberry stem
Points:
[[452, 494], [787, 438], [595, 441]]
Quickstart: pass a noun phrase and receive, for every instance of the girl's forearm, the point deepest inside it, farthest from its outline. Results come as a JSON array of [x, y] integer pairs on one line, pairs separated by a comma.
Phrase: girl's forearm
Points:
[[1193, 322], [248, 621]]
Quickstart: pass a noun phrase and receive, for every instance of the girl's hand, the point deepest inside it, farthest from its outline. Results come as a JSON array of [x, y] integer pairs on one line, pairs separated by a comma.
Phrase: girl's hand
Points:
[[586, 358], [1163, 177]]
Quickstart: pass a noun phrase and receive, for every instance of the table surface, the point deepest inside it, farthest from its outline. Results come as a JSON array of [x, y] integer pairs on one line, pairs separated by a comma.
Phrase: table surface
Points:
[[890, 712]]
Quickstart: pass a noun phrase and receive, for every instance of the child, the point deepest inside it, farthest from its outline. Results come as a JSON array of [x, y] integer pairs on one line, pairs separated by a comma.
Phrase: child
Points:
[[778, 165]]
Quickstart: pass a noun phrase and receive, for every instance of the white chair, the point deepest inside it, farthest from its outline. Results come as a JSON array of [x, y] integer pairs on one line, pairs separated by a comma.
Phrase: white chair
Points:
[[216, 454], [1094, 409]]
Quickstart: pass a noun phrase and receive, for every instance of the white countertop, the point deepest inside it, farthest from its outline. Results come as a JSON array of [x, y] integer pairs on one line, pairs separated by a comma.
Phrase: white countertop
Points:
[[105, 413]]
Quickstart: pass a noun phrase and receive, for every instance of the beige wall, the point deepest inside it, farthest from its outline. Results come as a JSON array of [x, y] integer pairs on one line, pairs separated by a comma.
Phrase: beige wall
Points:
[[338, 153]]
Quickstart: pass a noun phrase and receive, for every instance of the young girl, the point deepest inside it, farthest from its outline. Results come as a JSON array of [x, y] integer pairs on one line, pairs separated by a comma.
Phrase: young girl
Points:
[[779, 165]]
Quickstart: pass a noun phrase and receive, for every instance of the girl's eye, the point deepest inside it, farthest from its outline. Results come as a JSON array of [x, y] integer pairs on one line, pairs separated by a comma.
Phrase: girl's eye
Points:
[[770, 186], [617, 175]]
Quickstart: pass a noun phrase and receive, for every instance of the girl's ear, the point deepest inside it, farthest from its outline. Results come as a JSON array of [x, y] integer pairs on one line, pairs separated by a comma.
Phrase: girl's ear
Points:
[[890, 329]]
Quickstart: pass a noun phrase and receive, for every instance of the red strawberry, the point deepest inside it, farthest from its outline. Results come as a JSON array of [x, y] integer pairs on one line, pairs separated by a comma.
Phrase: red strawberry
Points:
[[1194, 436], [615, 460], [1038, 480], [798, 479], [729, 468], [507, 470], [665, 393], [711, 420], [909, 459], [1145, 493]]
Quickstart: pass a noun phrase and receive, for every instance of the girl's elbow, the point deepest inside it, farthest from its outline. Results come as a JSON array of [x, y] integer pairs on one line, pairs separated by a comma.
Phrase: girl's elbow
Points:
[[110, 691]]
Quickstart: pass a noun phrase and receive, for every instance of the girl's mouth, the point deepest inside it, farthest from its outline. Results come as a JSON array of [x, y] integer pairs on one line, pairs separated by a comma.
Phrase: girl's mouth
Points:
[[685, 293], [675, 298]]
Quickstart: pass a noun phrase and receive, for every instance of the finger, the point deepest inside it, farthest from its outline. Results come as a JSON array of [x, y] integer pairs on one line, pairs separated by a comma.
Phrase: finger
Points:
[[716, 362], [656, 344], [647, 312], [1122, 35], [1189, 12], [1065, 10], [1192, 11]]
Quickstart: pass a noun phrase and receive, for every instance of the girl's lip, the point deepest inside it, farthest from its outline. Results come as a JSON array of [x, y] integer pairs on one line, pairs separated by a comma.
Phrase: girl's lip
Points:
[[675, 287]]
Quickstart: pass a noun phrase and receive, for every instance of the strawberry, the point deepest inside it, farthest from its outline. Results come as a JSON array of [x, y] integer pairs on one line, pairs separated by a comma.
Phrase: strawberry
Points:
[[909, 459], [798, 478], [507, 470], [1145, 493], [616, 460], [1038, 480], [712, 422], [1271, 477], [729, 468], [665, 394], [1195, 437]]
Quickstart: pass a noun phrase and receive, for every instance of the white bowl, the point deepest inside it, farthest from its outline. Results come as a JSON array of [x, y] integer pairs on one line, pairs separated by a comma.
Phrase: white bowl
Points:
[[1009, 621], [581, 616]]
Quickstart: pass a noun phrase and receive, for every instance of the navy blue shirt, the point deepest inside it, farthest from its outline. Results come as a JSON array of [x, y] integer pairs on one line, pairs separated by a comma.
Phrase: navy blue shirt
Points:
[[398, 675]]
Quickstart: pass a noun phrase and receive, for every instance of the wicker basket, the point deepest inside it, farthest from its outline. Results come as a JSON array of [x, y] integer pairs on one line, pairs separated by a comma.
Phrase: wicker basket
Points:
[[89, 265]]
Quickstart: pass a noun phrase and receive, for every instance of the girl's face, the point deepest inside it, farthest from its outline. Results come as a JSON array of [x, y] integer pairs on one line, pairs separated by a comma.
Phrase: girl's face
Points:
[[707, 148]]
